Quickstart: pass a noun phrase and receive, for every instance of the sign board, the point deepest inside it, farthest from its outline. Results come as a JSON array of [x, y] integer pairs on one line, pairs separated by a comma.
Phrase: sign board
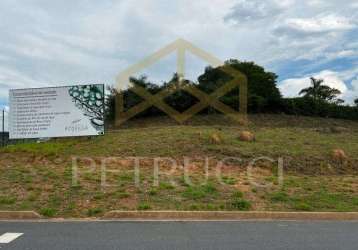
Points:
[[56, 111]]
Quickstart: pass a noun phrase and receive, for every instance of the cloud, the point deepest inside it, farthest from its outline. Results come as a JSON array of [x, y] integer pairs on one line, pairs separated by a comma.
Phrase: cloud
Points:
[[69, 42], [316, 25], [10, 78], [256, 10], [292, 87], [352, 93]]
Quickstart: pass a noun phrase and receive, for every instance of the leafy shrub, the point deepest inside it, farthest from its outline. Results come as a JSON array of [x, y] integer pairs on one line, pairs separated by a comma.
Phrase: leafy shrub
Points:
[[7, 200], [263, 95], [94, 211], [143, 206], [303, 207], [199, 192], [237, 195], [279, 197], [307, 107], [240, 204], [48, 212], [237, 202]]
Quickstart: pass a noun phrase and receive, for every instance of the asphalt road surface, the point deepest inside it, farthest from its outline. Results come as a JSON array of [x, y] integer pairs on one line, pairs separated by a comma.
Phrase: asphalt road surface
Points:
[[179, 235]]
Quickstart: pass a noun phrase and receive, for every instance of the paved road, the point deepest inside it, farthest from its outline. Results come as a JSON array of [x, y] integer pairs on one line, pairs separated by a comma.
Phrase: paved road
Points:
[[182, 235]]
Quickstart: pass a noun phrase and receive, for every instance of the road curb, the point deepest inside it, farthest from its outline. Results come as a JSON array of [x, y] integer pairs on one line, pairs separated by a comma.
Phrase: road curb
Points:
[[19, 215], [223, 215]]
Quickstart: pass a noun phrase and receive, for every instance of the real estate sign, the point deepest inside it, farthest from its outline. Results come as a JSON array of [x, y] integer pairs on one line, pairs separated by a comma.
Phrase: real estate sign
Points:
[[56, 111]]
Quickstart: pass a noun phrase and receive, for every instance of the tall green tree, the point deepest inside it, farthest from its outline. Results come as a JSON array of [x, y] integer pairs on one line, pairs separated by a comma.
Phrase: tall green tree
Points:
[[263, 94], [179, 99], [110, 104], [320, 92], [356, 102]]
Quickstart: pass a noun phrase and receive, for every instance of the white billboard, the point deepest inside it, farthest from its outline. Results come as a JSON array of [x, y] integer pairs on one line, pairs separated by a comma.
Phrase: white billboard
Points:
[[56, 111]]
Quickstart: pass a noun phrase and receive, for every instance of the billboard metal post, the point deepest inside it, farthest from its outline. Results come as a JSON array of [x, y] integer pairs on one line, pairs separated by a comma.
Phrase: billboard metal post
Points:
[[3, 128]]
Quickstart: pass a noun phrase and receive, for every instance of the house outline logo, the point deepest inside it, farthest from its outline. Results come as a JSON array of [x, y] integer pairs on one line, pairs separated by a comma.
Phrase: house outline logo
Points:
[[181, 46]]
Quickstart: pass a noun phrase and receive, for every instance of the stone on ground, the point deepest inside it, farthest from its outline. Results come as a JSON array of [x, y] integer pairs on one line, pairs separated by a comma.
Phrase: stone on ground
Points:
[[247, 136], [215, 138], [339, 155]]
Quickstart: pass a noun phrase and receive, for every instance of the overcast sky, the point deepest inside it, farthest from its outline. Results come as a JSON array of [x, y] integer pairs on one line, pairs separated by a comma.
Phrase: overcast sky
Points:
[[46, 43]]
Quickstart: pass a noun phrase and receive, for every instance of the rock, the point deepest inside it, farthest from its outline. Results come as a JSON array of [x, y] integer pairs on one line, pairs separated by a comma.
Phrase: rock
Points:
[[339, 155], [58, 160], [215, 138], [247, 136]]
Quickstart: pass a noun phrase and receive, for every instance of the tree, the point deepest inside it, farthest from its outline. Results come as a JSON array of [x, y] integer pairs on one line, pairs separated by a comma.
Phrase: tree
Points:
[[356, 102], [263, 94], [179, 99], [320, 92], [110, 104], [130, 99]]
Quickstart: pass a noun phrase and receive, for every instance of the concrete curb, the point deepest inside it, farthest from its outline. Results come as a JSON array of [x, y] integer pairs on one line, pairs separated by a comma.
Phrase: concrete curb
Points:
[[223, 215], [190, 215], [19, 215]]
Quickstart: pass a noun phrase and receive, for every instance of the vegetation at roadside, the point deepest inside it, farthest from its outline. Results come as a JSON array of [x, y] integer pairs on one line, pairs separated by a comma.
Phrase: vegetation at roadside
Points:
[[263, 95], [39, 176], [303, 140]]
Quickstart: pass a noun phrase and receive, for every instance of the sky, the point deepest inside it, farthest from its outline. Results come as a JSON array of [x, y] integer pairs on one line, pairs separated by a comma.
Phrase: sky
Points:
[[50, 43]]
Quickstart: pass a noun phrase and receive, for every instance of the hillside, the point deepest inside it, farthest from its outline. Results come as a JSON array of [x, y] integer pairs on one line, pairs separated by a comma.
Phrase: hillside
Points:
[[39, 176]]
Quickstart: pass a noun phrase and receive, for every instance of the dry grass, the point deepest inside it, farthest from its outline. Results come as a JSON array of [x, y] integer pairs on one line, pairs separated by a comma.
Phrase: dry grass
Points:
[[39, 176]]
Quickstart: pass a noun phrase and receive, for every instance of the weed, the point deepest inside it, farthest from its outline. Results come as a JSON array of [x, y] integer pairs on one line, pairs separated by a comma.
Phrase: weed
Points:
[[199, 192], [98, 196], [301, 206], [33, 196], [194, 207], [123, 195], [94, 211], [229, 180], [7, 200], [126, 177], [165, 185], [153, 192], [240, 204], [48, 212], [237, 195], [143, 206], [279, 197]]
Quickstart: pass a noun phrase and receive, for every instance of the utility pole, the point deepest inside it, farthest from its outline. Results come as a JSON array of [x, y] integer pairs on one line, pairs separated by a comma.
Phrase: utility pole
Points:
[[3, 128]]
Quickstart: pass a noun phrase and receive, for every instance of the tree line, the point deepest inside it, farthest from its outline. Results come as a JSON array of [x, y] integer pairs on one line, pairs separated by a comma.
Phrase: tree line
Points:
[[263, 94]]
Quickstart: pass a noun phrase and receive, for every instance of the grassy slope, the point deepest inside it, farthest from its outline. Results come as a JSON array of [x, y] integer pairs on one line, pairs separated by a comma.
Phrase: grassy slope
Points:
[[38, 176]]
